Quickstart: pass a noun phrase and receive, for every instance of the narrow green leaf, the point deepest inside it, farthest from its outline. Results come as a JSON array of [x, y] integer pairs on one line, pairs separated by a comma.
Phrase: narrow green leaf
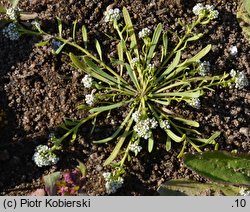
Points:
[[168, 144], [186, 121], [63, 126], [166, 103], [59, 23], [73, 137], [109, 107], [193, 38], [60, 48], [82, 168], [214, 136], [132, 76], [150, 144], [83, 107], [84, 36], [165, 44], [74, 30], [120, 56], [182, 149], [221, 166], [98, 48], [116, 133], [118, 145], [116, 150], [188, 94], [175, 137], [70, 122], [172, 66], [154, 42], [197, 57], [77, 62], [130, 30], [43, 43], [99, 71], [209, 140], [87, 70]]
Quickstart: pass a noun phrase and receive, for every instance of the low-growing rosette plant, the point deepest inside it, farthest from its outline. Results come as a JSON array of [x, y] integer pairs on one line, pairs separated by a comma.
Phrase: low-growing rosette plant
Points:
[[145, 80]]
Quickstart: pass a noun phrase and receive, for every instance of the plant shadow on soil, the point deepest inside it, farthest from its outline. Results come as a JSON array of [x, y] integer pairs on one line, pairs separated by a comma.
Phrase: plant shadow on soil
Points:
[[15, 147]]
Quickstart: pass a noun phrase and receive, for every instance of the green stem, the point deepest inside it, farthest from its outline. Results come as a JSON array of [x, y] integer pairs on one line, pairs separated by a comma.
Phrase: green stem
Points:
[[73, 129], [181, 41]]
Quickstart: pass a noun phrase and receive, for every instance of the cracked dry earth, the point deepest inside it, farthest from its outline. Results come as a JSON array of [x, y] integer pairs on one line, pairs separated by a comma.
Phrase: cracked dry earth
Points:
[[39, 89]]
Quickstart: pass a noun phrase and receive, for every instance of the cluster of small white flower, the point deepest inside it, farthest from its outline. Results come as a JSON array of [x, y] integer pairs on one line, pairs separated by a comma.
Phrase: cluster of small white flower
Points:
[[164, 124], [241, 80], [90, 99], [136, 116], [11, 32], [112, 184], [233, 50], [87, 81], [134, 61], [112, 14], [244, 192], [199, 8], [203, 68], [145, 32], [195, 103], [44, 157], [13, 13], [143, 127], [135, 148]]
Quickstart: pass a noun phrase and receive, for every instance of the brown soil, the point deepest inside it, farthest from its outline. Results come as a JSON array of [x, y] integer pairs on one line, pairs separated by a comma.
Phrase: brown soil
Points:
[[39, 89]]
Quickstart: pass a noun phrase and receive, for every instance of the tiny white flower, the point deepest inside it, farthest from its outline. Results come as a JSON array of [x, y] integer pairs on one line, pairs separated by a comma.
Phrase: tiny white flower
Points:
[[106, 175], [145, 32], [13, 13], [112, 14], [204, 68], [89, 99], [135, 148], [244, 192], [136, 116], [112, 184], [87, 81], [44, 157], [164, 124], [214, 14], [153, 123], [195, 103], [233, 50], [241, 80], [143, 127], [151, 66], [134, 61], [233, 73], [197, 9]]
